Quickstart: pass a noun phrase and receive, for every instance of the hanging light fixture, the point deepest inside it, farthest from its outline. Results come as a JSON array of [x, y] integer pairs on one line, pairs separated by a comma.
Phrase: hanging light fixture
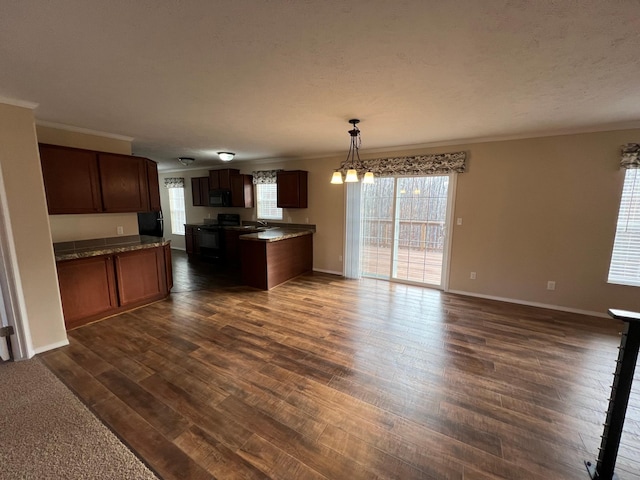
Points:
[[186, 161], [226, 156], [353, 164]]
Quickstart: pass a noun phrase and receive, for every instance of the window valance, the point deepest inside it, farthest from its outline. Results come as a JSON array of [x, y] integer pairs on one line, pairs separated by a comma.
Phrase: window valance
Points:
[[439, 164], [174, 182], [630, 156], [265, 176]]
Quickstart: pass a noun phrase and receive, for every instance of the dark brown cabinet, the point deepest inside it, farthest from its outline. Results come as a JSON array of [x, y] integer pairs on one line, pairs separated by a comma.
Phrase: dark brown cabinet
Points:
[[85, 181], [292, 189], [87, 288], [154, 186], [71, 180], [242, 191], [95, 287], [221, 179], [191, 240], [123, 179], [200, 191], [141, 276]]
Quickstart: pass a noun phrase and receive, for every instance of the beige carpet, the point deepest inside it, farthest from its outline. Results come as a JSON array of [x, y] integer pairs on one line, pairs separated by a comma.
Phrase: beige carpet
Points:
[[47, 433]]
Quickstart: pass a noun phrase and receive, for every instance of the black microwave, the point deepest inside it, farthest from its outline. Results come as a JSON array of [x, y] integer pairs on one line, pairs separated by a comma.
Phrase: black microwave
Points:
[[220, 198]]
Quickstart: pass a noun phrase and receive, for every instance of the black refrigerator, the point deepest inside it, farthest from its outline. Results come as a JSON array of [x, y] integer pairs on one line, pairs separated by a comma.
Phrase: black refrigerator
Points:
[[151, 223]]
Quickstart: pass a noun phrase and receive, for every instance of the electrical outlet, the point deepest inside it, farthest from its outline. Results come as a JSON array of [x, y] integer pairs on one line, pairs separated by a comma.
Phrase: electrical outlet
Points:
[[120, 230], [472, 276], [306, 220], [340, 258], [551, 285], [459, 221]]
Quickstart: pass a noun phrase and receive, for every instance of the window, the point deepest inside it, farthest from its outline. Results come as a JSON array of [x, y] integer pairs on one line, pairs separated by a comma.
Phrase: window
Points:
[[176, 207], [267, 201], [625, 259]]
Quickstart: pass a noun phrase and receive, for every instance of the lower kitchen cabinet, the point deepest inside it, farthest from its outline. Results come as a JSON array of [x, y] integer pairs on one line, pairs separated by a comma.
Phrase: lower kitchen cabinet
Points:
[[96, 287], [141, 276], [87, 289]]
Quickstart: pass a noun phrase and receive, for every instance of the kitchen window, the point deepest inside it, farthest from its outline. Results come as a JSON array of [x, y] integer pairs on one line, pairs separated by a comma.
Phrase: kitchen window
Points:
[[177, 210], [267, 201]]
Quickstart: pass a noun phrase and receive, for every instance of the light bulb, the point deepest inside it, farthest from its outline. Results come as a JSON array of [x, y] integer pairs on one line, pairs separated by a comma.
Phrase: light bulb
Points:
[[352, 176], [336, 178]]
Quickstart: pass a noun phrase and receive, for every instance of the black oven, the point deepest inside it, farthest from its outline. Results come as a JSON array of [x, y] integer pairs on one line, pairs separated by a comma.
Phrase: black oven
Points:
[[211, 236]]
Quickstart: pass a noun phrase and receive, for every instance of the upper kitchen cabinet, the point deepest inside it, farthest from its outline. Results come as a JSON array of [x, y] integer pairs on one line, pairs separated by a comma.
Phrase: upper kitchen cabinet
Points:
[[71, 180], [221, 179], [242, 191], [292, 189], [124, 183], [200, 191], [154, 186]]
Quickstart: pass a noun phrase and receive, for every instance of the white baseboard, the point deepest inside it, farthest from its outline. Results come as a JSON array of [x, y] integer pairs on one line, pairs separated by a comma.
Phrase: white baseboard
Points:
[[331, 272], [51, 346], [532, 304]]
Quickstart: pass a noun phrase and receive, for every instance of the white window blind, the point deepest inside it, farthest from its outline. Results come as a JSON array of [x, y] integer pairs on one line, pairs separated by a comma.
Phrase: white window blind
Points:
[[625, 259], [176, 207], [267, 201]]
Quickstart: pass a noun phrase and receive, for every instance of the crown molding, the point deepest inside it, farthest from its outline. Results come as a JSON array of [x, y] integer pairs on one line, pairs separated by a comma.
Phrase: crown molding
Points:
[[19, 103], [71, 128]]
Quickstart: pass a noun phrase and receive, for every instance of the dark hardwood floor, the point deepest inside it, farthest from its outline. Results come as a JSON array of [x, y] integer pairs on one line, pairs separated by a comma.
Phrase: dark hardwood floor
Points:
[[326, 378]]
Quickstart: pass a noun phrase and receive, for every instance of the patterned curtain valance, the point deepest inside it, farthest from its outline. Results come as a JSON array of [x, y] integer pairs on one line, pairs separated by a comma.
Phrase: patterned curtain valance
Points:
[[265, 176], [174, 182], [630, 156], [412, 166]]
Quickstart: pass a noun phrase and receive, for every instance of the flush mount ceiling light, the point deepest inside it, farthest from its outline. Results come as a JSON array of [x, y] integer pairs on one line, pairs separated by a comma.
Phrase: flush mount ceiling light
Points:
[[226, 156], [186, 161], [353, 164]]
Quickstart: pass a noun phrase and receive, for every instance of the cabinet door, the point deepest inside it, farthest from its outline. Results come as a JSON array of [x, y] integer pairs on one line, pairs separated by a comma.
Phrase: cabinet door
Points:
[[87, 288], [242, 191], [123, 179], [140, 275], [292, 189], [71, 180], [221, 179], [154, 186], [200, 191]]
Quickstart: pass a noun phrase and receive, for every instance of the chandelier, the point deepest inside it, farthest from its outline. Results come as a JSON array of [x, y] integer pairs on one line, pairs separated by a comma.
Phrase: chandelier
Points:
[[353, 164]]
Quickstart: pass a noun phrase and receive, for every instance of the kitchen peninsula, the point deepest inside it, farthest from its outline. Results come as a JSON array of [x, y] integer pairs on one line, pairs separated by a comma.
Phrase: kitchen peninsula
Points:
[[273, 256]]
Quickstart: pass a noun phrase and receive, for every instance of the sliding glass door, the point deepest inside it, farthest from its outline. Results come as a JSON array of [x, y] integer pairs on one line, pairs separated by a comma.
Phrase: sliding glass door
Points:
[[404, 228]]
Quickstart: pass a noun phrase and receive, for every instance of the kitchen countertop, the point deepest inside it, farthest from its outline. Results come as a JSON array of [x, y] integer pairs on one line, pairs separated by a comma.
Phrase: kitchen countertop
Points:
[[105, 246], [275, 234]]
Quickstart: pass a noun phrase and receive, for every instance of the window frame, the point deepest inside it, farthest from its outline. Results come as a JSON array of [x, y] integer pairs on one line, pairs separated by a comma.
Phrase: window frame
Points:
[[177, 224], [273, 200]]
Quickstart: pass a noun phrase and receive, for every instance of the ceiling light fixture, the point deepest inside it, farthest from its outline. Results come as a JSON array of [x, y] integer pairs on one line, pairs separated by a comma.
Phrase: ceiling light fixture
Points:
[[226, 156], [186, 161], [353, 164]]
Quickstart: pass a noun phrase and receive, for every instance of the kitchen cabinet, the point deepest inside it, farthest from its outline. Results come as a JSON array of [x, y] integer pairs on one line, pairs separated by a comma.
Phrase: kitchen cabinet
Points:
[[232, 244], [140, 275], [221, 179], [95, 287], [85, 181], [200, 191], [242, 191], [292, 189], [154, 186], [71, 180], [87, 289], [169, 266], [124, 183], [192, 240]]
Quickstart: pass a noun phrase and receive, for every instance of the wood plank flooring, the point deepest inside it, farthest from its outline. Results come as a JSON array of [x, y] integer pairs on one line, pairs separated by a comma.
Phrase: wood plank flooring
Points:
[[327, 378]]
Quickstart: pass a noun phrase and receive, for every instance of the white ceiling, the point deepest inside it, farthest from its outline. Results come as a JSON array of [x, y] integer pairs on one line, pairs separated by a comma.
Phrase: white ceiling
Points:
[[280, 78]]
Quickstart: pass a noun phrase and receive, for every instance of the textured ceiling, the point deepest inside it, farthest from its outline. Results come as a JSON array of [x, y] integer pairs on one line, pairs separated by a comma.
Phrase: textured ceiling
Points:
[[280, 78]]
